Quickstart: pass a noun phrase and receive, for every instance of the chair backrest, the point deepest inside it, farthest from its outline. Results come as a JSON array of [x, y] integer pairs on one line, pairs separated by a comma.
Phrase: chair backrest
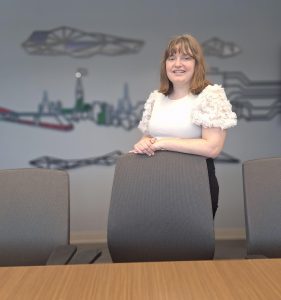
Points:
[[34, 215], [160, 209], [262, 199]]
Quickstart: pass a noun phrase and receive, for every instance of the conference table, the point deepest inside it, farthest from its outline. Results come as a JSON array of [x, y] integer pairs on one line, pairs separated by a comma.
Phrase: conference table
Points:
[[218, 279]]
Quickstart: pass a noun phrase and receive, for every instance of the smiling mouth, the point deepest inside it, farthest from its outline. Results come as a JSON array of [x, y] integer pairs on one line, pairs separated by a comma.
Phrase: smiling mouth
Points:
[[178, 71]]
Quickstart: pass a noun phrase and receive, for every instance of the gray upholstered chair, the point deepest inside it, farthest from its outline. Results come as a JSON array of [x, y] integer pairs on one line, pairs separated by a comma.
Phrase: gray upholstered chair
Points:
[[34, 219], [160, 209], [262, 199]]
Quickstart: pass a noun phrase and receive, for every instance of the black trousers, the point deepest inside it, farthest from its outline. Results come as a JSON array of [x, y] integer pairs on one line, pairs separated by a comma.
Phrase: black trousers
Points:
[[214, 186]]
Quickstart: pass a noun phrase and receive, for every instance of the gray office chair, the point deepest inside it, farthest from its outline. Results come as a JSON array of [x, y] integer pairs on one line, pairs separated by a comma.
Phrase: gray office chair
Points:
[[34, 219], [262, 199], [160, 209]]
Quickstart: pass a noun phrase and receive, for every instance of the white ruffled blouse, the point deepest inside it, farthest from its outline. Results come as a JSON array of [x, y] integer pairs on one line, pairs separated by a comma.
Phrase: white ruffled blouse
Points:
[[208, 109]]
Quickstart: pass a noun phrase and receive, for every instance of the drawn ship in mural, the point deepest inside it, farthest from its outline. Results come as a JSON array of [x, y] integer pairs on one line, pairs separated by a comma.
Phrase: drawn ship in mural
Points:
[[34, 119]]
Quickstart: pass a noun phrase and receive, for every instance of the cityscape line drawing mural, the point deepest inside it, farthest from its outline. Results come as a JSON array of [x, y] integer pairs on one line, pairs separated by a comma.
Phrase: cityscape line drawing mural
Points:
[[77, 43], [52, 114]]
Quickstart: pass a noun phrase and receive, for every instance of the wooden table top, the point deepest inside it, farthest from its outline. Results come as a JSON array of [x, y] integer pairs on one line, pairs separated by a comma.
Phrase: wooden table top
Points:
[[220, 279]]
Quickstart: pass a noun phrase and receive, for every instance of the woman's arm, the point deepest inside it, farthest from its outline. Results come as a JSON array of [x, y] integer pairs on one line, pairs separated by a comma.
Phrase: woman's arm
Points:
[[210, 145]]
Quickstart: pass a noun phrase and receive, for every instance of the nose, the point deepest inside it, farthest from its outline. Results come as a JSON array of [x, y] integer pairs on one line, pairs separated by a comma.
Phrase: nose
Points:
[[178, 62]]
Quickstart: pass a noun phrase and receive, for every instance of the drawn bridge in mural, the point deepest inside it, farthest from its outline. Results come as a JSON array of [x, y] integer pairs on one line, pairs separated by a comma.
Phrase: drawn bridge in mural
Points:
[[77, 43]]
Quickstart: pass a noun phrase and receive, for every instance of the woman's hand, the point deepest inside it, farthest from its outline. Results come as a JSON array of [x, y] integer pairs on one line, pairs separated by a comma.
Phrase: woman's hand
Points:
[[157, 145], [144, 146]]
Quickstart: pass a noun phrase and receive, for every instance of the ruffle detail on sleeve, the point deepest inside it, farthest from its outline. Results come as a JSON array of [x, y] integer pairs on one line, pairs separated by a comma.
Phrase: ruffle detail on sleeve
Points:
[[148, 106], [213, 109]]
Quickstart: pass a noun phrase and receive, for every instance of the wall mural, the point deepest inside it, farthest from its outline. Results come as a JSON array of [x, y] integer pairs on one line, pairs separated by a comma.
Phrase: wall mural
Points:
[[251, 100]]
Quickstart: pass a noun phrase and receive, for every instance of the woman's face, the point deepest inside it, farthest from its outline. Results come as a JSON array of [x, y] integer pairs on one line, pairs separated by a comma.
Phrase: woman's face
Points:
[[180, 68]]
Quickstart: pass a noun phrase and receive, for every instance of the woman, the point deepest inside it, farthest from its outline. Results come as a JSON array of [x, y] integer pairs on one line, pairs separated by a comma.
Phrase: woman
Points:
[[187, 114]]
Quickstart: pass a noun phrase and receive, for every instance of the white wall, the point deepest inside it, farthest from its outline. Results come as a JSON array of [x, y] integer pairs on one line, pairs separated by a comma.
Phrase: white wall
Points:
[[253, 25]]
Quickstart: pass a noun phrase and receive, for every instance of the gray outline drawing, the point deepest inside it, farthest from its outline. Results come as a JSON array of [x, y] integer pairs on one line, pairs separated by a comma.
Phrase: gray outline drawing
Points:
[[220, 48], [76, 43], [48, 162], [251, 100]]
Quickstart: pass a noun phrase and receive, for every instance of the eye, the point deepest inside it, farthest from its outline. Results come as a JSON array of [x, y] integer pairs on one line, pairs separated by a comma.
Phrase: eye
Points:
[[171, 58], [187, 57]]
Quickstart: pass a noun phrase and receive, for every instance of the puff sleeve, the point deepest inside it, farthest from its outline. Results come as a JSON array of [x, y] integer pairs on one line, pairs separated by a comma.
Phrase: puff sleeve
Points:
[[148, 106], [212, 109]]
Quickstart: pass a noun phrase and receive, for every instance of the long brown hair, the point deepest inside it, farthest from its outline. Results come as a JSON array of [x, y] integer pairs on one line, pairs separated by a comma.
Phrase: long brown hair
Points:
[[186, 44]]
